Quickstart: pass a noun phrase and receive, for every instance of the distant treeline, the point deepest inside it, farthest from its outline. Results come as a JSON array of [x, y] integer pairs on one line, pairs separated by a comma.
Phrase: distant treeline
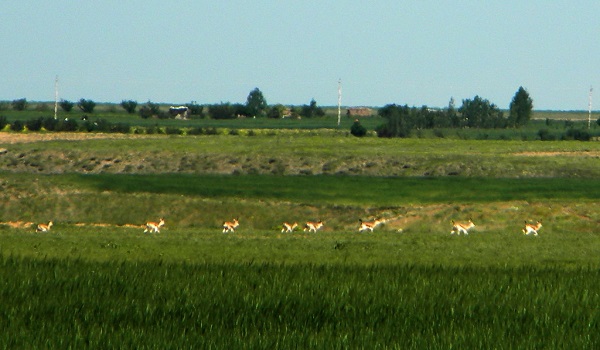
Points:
[[568, 132]]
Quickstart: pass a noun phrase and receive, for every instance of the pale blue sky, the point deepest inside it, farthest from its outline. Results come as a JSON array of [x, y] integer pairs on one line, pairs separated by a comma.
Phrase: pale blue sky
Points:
[[385, 51]]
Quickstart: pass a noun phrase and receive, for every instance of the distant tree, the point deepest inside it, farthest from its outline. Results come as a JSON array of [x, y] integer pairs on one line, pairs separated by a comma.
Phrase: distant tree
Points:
[[256, 103], [222, 111], [87, 106], [19, 104], [521, 108], [149, 110], [480, 113], [241, 110], [399, 121], [66, 106], [357, 129], [129, 106], [276, 111], [453, 117], [312, 110], [196, 110]]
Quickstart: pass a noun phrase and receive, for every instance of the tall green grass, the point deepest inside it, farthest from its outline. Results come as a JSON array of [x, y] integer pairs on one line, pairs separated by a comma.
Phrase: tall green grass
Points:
[[156, 305]]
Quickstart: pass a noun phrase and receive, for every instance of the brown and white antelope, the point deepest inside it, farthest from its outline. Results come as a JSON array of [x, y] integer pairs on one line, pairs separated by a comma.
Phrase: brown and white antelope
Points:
[[369, 225], [530, 228], [152, 226], [313, 226], [44, 227], [458, 227], [230, 226], [289, 228]]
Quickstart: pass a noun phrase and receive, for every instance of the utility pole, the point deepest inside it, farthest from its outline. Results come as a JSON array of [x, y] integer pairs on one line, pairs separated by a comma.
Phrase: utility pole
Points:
[[55, 97], [339, 100], [590, 109]]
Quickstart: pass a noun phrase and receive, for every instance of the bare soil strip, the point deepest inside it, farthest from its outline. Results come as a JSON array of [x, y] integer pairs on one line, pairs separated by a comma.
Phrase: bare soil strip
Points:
[[12, 138], [559, 154]]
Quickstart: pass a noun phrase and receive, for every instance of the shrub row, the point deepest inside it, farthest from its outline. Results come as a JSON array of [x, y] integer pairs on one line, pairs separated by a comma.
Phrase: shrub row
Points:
[[104, 126]]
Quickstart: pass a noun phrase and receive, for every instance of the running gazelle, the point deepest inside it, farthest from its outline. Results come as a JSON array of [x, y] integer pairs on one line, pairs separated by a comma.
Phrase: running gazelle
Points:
[[230, 226], [369, 225], [311, 226], [289, 228], [458, 227], [530, 228], [44, 227], [152, 226]]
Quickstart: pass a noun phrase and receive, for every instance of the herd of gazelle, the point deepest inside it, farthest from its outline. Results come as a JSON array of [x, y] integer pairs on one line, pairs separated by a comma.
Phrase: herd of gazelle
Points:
[[312, 226], [464, 227]]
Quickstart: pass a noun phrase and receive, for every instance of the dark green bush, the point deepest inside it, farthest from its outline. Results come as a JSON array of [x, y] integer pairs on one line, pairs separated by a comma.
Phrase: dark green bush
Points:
[[211, 131], [122, 128], [545, 135], [197, 130], [17, 125], [357, 129], [34, 124], [577, 134], [155, 129], [50, 123], [67, 125], [171, 130]]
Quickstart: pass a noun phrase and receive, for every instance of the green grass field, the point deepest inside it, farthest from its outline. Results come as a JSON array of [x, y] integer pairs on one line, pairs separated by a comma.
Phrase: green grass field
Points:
[[97, 281]]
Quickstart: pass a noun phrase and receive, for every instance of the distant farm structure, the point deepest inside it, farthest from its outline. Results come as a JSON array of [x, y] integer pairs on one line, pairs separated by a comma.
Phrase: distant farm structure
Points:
[[179, 112], [359, 112]]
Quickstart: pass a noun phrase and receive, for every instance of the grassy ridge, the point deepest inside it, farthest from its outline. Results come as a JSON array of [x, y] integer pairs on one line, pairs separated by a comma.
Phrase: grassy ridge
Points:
[[73, 304], [291, 153]]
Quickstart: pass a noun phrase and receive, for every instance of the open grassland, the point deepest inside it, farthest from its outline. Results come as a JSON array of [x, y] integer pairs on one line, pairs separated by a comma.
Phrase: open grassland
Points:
[[297, 153], [96, 280]]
